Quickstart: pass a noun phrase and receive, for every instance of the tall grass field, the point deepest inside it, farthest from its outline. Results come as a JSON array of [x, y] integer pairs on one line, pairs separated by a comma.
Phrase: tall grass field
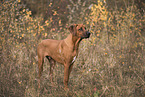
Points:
[[111, 63]]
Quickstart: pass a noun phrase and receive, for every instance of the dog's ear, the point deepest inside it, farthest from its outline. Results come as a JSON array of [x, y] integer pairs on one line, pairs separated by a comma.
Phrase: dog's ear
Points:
[[72, 29]]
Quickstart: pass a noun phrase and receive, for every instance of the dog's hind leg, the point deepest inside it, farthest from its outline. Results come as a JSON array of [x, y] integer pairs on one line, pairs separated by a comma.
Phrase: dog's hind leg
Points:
[[52, 65], [40, 66]]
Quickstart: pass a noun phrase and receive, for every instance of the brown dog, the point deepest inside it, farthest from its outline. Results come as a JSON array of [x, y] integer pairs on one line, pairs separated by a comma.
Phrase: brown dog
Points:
[[63, 51]]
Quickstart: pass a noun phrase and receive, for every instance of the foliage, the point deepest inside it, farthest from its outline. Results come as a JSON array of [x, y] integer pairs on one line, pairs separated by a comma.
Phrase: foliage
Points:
[[110, 63]]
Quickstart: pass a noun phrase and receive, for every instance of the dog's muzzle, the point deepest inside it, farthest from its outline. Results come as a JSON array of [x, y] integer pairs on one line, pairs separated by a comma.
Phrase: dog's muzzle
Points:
[[86, 35]]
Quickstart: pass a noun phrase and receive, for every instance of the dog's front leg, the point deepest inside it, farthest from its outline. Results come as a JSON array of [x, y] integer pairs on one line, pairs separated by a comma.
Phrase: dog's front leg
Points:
[[66, 75]]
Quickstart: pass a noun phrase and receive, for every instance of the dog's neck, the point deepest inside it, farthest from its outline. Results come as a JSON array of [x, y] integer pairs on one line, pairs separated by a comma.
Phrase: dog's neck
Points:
[[72, 42]]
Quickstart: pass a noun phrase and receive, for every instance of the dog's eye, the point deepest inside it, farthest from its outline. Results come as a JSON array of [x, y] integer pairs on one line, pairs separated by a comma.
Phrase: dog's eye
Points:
[[81, 29]]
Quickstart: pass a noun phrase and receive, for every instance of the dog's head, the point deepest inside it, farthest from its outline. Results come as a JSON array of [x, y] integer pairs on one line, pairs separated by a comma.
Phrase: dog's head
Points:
[[79, 30]]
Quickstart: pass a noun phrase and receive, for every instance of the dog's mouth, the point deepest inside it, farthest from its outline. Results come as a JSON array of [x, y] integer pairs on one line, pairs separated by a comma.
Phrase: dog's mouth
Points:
[[86, 35]]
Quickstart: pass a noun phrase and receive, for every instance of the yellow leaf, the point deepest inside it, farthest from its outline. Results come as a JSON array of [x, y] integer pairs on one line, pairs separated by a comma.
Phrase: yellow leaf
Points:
[[55, 13], [28, 12], [19, 0], [19, 82], [34, 34], [50, 4], [59, 22], [22, 35], [23, 10], [45, 34]]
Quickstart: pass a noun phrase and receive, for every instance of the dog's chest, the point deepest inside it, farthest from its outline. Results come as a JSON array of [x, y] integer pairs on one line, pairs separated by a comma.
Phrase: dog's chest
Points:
[[74, 58]]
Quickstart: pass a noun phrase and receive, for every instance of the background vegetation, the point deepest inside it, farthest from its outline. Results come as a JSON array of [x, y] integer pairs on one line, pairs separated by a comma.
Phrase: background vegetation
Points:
[[111, 63]]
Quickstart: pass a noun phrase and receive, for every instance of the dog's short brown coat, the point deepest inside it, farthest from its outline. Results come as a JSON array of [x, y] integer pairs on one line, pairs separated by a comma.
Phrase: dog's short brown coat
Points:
[[62, 51]]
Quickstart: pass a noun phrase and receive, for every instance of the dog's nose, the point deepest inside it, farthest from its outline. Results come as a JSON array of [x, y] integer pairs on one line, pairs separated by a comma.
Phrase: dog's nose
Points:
[[88, 33]]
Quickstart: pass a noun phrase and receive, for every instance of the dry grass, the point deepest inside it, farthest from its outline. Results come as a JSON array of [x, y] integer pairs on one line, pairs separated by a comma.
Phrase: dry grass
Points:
[[108, 65]]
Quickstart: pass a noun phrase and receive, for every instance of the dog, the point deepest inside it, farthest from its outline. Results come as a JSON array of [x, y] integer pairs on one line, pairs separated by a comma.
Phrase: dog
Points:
[[62, 51]]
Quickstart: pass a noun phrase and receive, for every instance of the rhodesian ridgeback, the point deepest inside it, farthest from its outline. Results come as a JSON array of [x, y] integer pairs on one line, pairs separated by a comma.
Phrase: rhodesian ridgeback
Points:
[[62, 51]]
